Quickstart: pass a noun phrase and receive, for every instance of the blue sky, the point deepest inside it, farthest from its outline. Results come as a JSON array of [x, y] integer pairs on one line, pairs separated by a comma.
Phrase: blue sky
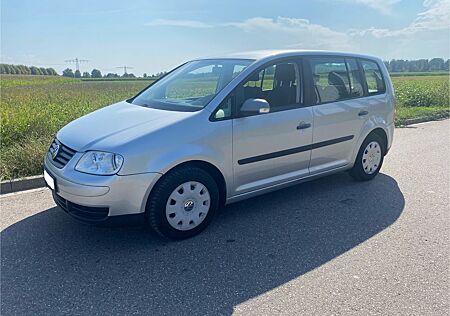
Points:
[[153, 36]]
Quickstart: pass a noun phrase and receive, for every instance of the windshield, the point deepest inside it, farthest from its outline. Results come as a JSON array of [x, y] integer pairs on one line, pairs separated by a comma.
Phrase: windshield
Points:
[[191, 86]]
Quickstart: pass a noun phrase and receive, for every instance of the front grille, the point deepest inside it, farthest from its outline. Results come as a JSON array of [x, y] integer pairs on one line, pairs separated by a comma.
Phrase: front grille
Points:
[[84, 213], [63, 154]]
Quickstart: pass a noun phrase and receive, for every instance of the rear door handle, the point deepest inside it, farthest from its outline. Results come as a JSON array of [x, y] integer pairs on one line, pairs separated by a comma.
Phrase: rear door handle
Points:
[[363, 112], [303, 125]]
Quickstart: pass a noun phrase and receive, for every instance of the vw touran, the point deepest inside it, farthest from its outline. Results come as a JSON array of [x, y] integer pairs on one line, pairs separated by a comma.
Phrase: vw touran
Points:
[[216, 131]]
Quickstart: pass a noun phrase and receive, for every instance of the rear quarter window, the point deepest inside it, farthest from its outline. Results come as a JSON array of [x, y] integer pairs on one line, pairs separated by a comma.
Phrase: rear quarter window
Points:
[[374, 78]]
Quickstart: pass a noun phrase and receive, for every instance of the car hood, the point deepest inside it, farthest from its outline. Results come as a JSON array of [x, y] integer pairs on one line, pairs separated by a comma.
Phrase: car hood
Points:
[[115, 125]]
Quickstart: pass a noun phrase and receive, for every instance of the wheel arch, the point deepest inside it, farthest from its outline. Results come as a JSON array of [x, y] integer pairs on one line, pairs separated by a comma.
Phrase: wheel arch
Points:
[[381, 133], [370, 128], [206, 166]]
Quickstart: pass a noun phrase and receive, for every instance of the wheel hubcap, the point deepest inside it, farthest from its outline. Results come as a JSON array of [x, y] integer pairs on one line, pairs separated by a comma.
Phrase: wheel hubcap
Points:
[[371, 157], [188, 205]]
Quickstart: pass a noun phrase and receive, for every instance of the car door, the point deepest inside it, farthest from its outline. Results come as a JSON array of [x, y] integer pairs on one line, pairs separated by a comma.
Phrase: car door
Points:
[[274, 147], [339, 111]]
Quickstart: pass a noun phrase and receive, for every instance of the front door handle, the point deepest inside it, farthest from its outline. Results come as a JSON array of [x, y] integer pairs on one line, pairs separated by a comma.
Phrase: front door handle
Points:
[[303, 125], [363, 112]]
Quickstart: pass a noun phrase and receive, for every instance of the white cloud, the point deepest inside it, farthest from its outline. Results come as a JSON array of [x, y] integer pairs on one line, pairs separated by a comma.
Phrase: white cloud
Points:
[[179, 23], [383, 6], [427, 33], [289, 32], [435, 17], [300, 33]]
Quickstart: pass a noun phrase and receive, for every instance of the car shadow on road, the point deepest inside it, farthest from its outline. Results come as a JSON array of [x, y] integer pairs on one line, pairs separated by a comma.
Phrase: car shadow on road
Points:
[[54, 265]]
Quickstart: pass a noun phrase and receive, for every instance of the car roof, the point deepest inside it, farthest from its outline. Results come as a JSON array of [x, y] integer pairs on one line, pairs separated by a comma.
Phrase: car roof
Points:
[[272, 54]]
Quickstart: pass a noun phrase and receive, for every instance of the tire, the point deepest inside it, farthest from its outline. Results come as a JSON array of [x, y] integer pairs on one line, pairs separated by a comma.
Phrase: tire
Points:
[[178, 205], [369, 159]]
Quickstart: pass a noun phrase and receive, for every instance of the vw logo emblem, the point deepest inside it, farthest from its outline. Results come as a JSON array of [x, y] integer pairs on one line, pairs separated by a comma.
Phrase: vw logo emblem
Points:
[[55, 151], [188, 205]]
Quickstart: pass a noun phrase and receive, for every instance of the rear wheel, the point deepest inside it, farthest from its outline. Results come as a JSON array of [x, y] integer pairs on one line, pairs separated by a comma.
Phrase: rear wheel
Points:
[[183, 203], [370, 158]]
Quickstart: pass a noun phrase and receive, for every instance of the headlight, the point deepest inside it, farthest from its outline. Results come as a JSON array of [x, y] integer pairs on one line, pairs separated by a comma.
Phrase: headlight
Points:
[[99, 162]]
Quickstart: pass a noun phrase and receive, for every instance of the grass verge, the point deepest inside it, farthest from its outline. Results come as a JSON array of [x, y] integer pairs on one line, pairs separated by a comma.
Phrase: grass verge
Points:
[[432, 113]]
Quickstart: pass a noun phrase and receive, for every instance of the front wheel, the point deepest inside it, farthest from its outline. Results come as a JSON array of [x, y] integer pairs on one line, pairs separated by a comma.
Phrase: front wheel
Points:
[[183, 203], [370, 158]]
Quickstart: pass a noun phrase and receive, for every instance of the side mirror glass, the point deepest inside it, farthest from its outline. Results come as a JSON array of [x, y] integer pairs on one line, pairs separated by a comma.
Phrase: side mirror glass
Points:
[[255, 106]]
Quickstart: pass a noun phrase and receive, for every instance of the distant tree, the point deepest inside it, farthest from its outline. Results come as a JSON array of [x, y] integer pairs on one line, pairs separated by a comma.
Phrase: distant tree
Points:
[[86, 75], [25, 70], [423, 64], [95, 73], [127, 75], [68, 72], [43, 71], [77, 74], [398, 65], [446, 65], [436, 64], [111, 75], [19, 70], [22, 69], [8, 69], [51, 72], [418, 65], [144, 75], [34, 70], [413, 65], [14, 70]]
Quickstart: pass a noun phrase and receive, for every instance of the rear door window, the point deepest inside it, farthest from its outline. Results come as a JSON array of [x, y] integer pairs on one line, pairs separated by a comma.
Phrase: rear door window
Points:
[[373, 77], [330, 79]]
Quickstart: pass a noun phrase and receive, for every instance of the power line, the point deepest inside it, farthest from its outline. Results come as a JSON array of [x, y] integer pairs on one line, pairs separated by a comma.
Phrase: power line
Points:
[[77, 62], [125, 68]]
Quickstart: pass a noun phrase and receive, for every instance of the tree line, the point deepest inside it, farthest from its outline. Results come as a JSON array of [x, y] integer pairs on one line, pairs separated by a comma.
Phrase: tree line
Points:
[[25, 70], [95, 73], [419, 65]]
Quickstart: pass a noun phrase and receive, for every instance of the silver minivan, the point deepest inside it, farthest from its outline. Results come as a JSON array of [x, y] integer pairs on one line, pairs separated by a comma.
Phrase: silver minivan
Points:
[[216, 131]]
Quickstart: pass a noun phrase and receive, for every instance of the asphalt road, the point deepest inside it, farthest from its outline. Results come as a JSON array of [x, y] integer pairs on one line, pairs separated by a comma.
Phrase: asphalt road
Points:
[[328, 247]]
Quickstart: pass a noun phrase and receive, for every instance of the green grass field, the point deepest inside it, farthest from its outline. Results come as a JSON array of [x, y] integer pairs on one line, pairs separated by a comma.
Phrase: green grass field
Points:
[[421, 96], [34, 108]]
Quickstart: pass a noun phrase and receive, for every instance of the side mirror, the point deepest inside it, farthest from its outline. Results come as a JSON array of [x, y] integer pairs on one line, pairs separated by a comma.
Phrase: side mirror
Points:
[[255, 106]]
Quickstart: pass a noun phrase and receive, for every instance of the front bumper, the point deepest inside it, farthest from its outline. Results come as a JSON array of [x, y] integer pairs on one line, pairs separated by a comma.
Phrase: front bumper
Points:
[[83, 213], [104, 196]]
